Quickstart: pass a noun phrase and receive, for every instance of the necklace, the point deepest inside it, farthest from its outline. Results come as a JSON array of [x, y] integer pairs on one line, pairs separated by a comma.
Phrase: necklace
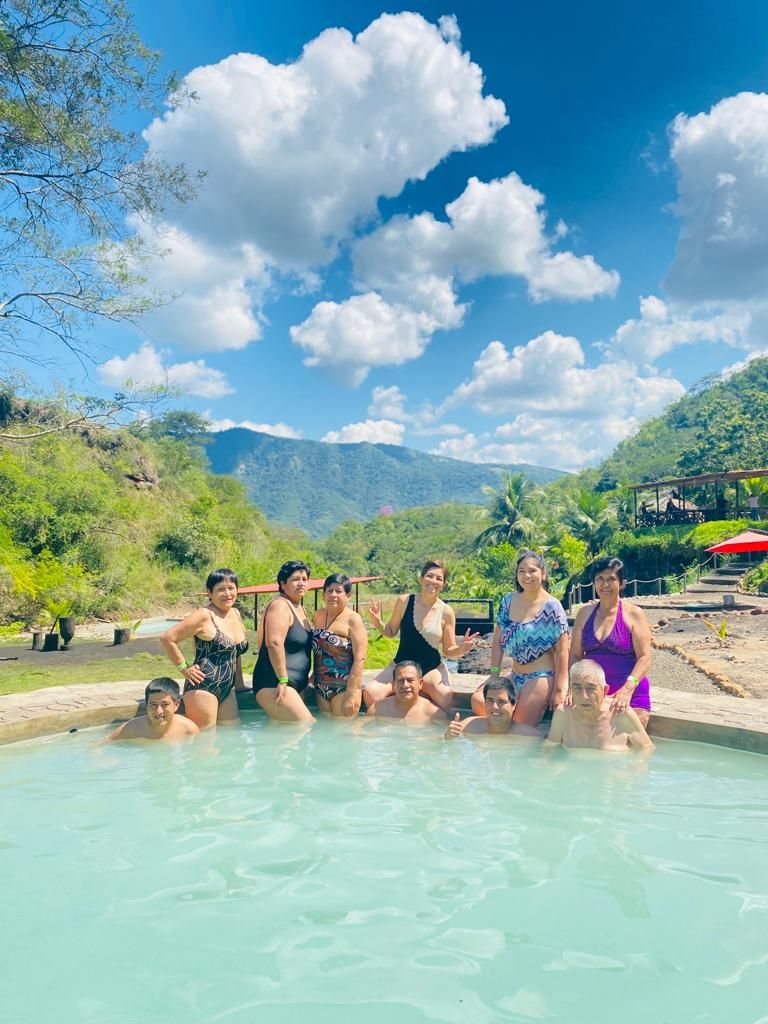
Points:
[[329, 624]]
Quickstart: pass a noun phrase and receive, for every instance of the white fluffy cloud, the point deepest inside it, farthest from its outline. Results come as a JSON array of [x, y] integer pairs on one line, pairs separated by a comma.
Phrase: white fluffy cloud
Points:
[[213, 288], [411, 267], [564, 413], [722, 162], [659, 330], [548, 374], [351, 337], [276, 429], [375, 431], [423, 420], [147, 367], [525, 441], [297, 155]]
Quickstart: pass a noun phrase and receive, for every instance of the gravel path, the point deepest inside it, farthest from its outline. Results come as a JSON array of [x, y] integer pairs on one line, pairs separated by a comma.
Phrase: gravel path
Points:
[[670, 671], [667, 669]]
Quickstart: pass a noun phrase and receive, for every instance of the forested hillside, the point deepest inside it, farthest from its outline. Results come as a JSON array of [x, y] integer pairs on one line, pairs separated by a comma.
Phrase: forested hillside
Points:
[[720, 425], [316, 486], [113, 522]]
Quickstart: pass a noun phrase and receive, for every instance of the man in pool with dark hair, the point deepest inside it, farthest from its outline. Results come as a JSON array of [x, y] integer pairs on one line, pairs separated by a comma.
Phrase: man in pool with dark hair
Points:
[[499, 697], [406, 702], [590, 720], [162, 698]]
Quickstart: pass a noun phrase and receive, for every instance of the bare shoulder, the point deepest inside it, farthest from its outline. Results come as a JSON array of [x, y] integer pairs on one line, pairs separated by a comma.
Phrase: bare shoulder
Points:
[[436, 714], [475, 725], [278, 609], [633, 613], [188, 626], [132, 730], [185, 726], [583, 613]]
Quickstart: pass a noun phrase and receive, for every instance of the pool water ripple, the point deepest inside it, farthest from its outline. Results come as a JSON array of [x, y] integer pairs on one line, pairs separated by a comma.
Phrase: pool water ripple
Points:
[[269, 874]]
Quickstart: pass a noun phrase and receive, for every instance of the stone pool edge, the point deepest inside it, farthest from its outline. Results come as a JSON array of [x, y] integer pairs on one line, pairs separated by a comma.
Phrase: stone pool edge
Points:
[[741, 724]]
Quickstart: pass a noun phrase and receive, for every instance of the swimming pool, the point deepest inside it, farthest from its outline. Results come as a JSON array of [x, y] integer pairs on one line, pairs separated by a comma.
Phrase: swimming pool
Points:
[[372, 872]]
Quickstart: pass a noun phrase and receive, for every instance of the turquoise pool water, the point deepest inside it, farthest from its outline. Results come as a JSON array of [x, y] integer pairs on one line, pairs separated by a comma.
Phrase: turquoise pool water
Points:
[[154, 627], [373, 873]]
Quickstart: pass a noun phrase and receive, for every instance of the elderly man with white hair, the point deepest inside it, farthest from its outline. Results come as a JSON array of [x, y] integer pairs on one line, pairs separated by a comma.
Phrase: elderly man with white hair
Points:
[[589, 720]]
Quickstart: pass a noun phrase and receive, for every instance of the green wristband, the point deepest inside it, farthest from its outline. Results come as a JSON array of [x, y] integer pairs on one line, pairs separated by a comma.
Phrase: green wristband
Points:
[[634, 680], [182, 666], [282, 679], [495, 670]]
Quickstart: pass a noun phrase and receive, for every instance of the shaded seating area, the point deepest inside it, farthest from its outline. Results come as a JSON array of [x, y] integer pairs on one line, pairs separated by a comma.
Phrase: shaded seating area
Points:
[[670, 502], [314, 585]]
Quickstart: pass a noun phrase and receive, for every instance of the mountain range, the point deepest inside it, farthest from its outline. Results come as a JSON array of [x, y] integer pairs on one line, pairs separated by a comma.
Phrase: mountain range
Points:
[[316, 485]]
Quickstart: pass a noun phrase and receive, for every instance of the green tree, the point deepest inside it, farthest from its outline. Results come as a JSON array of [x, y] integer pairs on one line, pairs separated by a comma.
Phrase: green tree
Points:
[[590, 517], [509, 512], [71, 180]]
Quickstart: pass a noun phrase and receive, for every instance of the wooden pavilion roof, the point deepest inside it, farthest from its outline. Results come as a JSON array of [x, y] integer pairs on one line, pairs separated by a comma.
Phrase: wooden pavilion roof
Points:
[[703, 478]]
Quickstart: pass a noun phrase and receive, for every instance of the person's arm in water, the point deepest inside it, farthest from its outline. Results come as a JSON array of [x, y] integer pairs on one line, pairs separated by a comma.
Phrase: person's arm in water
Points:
[[278, 619], [560, 653], [641, 642], [185, 630], [358, 634], [392, 628], [239, 681], [637, 737], [555, 737], [577, 651]]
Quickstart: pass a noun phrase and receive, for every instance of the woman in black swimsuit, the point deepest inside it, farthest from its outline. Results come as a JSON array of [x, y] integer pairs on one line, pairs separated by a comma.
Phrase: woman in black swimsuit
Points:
[[425, 624], [214, 675], [285, 648]]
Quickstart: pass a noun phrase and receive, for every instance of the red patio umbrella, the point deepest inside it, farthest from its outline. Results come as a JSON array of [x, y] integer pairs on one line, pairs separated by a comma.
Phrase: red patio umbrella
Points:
[[750, 540]]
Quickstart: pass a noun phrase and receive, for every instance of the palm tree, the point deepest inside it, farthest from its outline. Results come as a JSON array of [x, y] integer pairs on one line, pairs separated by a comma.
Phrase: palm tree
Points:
[[509, 511], [591, 517]]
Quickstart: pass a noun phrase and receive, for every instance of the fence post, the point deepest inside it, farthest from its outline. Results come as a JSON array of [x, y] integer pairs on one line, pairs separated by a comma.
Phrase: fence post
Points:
[[635, 583], [660, 581]]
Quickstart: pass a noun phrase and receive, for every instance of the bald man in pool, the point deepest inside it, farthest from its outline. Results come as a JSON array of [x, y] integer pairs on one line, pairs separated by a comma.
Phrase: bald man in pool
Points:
[[406, 702], [162, 698], [589, 720]]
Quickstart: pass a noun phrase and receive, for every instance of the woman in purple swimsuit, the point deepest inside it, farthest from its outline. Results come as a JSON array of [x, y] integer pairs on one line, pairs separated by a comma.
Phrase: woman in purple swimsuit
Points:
[[617, 636]]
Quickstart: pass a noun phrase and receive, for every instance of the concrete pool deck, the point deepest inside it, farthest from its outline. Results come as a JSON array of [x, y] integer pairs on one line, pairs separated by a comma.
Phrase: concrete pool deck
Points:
[[717, 719]]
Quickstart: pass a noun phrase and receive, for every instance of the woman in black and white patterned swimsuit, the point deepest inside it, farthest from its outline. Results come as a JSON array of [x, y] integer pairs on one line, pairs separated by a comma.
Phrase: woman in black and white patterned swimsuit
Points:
[[214, 675]]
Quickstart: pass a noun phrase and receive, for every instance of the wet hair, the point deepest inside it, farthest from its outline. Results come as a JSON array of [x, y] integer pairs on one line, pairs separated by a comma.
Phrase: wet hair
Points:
[[607, 563], [287, 569], [500, 683], [407, 664], [434, 563], [587, 671], [163, 684], [538, 559], [219, 576], [341, 579]]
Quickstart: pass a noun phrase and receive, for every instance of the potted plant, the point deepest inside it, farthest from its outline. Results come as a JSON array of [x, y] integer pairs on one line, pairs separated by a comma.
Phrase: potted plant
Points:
[[125, 630], [55, 609]]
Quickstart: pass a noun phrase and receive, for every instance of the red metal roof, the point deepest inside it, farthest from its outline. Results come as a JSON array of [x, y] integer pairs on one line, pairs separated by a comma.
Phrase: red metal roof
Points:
[[272, 588]]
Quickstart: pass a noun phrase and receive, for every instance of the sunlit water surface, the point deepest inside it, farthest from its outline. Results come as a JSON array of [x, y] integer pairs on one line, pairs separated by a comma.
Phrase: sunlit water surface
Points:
[[374, 873]]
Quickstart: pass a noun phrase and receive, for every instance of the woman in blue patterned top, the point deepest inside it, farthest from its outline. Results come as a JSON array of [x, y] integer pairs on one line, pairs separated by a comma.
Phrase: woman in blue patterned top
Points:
[[532, 630]]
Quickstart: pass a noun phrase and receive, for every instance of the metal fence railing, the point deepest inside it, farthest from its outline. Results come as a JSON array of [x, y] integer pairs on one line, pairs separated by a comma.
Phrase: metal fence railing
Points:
[[643, 588]]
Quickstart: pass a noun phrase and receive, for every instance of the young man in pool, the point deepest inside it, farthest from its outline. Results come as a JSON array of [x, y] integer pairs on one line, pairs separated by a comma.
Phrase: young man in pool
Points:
[[499, 697], [406, 702], [162, 698], [589, 720]]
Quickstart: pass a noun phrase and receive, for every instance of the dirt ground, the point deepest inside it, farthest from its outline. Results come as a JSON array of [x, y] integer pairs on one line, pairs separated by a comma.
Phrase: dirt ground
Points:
[[741, 654]]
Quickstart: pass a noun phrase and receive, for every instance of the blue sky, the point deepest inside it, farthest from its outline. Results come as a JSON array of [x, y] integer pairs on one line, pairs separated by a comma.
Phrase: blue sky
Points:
[[605, 169]]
